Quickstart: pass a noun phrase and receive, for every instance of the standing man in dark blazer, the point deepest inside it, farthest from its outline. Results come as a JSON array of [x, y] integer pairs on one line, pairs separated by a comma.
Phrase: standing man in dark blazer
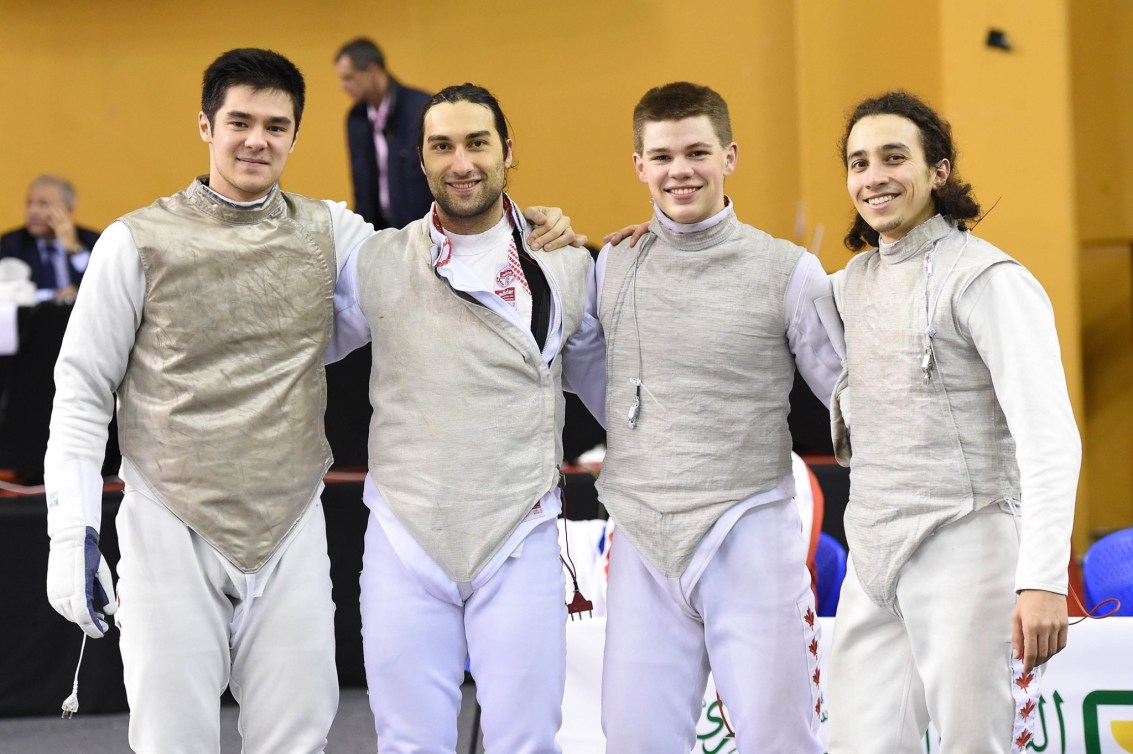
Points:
[[390, 190], [50, 243]]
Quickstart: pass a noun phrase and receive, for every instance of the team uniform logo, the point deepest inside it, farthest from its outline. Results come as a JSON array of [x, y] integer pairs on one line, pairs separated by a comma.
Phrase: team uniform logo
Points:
[[505, 276], [509, 276]]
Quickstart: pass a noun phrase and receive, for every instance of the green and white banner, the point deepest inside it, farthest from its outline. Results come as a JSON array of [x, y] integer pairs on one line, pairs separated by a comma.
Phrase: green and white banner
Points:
[[1085, 707]]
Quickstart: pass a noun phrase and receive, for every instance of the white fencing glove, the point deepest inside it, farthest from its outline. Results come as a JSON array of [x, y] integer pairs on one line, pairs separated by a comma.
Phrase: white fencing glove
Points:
[[78, 579]]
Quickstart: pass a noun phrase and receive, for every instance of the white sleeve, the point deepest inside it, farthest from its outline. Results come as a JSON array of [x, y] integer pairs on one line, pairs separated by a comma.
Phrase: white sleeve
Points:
[[808, 307], [350, 230], [92, 362], [351, 328], [1010, 320], [584, 355]]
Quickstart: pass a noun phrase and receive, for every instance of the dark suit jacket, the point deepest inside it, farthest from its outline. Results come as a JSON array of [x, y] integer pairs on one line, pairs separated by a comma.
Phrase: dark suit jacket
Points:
[[409, 195], [22, 245]]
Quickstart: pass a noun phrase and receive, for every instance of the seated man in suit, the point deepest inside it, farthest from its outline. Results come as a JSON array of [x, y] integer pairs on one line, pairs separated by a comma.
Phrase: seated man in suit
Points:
[[51, 244]]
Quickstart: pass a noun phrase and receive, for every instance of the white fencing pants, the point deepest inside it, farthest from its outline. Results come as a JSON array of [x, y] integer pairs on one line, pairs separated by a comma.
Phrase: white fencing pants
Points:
[[418, 630], [746, 616], [193, 624], [946, 657]]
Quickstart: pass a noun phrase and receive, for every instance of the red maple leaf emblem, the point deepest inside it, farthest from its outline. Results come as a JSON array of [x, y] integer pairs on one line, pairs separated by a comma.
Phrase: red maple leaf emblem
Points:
[[816, 676], [809, 617], [1023, 739], [1024, 681], [814, 647], [818, 707], [1027, 709]]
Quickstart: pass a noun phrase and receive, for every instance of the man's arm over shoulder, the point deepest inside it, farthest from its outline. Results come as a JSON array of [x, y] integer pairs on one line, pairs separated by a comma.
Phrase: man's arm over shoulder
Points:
[[584, 354], [351, 328], [350, 230], [813, 327]]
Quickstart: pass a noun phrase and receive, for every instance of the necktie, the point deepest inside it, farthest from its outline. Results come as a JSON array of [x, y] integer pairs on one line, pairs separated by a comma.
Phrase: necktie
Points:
[[47, 277], [378, 118]]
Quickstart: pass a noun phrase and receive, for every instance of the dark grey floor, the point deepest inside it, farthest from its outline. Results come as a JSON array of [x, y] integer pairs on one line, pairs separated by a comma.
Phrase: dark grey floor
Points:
[[352, 733]]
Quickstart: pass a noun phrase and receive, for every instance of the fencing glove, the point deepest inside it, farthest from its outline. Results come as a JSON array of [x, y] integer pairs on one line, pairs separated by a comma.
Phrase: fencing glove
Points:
[[78, 579]]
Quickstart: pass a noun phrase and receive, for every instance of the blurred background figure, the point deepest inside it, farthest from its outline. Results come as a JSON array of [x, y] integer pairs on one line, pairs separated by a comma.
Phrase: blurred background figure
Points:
[[381, 132], [50, 243]]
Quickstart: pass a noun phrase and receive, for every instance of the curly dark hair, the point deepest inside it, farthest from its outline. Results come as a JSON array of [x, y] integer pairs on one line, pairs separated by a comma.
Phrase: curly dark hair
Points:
[[953, 200]]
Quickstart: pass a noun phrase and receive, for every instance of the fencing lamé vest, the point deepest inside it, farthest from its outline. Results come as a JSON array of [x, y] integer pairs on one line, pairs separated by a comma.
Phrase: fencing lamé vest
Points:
[[925, 452], [699, 318], [467, 428], [221, 407]]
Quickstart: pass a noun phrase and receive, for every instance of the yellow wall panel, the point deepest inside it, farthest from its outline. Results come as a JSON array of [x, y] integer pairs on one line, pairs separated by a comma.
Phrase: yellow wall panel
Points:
[[1107, 345], [845, 53], [1102, 68], [1102, 79]]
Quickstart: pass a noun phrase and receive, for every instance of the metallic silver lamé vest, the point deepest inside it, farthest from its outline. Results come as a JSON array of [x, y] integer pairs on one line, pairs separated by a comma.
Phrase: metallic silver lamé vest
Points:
[[699, 318], [221, 408], [925, 452], [467, 427]]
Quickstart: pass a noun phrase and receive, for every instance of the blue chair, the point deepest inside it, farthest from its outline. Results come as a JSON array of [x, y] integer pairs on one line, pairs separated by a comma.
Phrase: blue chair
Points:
[[1107, 571], [830, 567]]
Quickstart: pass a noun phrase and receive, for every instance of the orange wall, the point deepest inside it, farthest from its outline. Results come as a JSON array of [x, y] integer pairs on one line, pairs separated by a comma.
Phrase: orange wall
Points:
[[844, 53], [1011, 112], [1102, 66]]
